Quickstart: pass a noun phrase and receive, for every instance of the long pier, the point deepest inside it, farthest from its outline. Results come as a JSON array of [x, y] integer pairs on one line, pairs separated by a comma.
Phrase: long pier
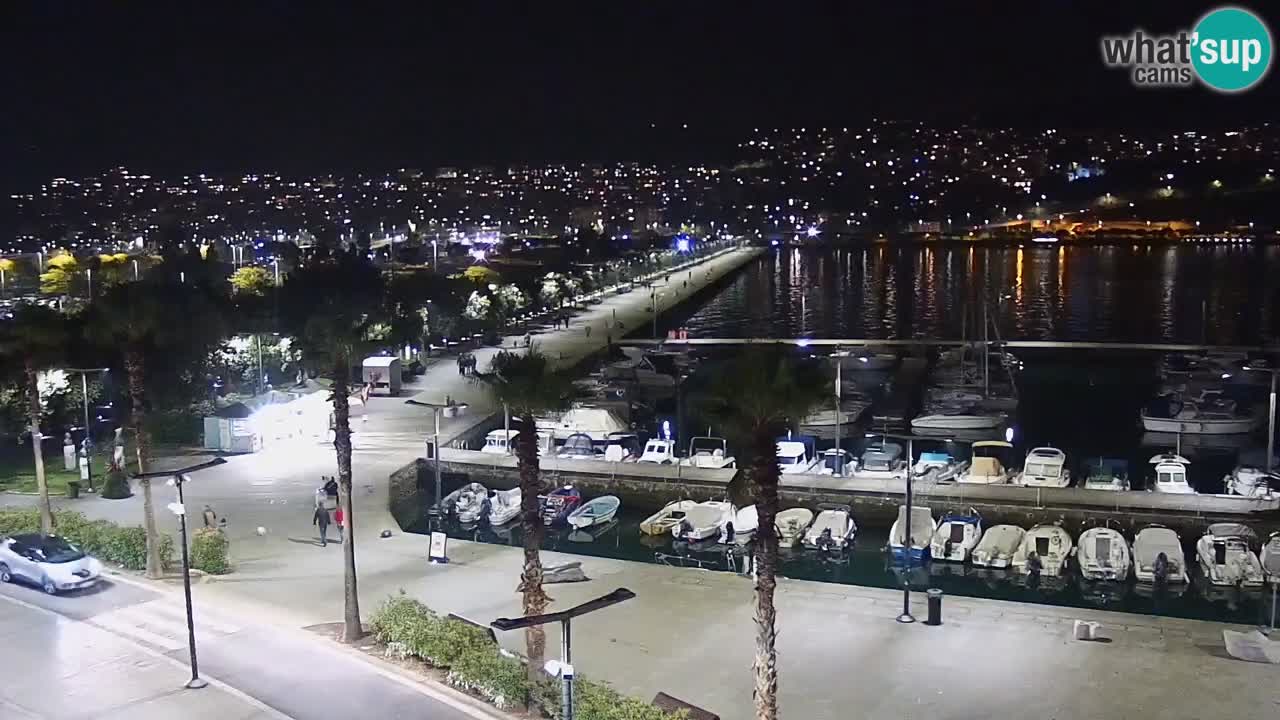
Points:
[[1030, 344]]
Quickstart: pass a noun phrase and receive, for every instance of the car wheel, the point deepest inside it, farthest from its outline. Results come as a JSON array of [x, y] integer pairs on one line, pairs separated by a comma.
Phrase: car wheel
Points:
[[49, 587], [5, 575]]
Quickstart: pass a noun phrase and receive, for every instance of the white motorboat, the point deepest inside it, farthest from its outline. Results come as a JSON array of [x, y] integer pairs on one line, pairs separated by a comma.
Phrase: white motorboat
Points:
[[1270, 558], [835, 462], [915, 548], [832, 529], [502, 442], [622, 447], [881, 460], [1252, 482], [1211, 414], [791, 524], [596, 423], [661, 522], [793, 457], [579, 446], [596, 511], [1103, 554], [997, 546], [958, 417], [709, 452], [1158, 556], [1107, 474], [863, 359], [745, 523], [938, 466], [1171, 474], [1044, 551], [1044, 467], [658, 451], [467, 502], [651, 370], [956, 537], [986, 467], [1226, 558], [504, 506], [703, 521]]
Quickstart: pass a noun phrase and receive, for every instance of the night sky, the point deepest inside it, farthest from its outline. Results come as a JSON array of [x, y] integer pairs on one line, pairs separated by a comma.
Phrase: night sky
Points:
[[309, 86]]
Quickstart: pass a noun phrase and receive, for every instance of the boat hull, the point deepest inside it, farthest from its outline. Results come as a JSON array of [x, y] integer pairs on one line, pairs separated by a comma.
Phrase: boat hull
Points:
[[1234, 426], [958, 422]]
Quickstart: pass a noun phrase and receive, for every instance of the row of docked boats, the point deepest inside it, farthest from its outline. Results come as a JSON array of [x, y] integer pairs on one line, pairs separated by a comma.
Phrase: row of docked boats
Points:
[[831, 528], [473, 503], [1208, 394]]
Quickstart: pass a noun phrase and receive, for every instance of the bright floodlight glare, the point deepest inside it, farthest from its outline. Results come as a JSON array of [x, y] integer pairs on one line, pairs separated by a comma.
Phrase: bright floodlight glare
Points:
[[863, 359], [1226, 375], [812, 231], [1008, 435], [803, 342], [682, 245]]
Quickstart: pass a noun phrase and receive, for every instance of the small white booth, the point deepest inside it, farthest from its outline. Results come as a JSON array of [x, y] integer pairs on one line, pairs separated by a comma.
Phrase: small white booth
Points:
[[382, 372]]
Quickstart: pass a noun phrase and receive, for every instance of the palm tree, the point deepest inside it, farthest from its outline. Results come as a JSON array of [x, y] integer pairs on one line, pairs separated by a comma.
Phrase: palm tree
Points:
[[153, 323], [333, 305], [35, 340], [760, 393], [527, 385]]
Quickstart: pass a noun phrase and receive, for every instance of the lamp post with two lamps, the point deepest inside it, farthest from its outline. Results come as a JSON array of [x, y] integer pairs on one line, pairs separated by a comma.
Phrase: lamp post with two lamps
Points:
[[176, 479]]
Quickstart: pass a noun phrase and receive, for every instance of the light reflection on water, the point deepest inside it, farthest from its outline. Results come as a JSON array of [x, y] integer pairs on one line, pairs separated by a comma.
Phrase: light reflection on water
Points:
[[1220, 294]]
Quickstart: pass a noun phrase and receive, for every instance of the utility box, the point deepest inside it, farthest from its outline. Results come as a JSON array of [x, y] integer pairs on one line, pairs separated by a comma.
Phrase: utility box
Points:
[[382, 373]]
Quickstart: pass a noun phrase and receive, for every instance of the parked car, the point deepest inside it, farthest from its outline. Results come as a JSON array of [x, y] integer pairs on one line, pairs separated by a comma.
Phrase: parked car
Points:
[[48, 561]]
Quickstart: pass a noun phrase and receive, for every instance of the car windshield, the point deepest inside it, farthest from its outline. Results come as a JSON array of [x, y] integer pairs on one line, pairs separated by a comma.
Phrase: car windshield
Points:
[[57, 550]]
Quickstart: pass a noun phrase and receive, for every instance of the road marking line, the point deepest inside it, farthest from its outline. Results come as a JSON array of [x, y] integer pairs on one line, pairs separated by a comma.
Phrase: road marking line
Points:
[[178, 614], [124, 626]]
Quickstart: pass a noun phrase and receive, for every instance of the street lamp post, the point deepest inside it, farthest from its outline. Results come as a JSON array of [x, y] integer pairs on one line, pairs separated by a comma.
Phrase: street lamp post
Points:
[[564, 666], [1271, 418], [87, 445], [177, 478]]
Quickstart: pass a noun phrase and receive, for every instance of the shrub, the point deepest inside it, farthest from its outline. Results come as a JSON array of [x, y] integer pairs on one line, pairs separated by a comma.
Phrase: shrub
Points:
[[117, 486], [410, 629], [209, 551], [125, 546]]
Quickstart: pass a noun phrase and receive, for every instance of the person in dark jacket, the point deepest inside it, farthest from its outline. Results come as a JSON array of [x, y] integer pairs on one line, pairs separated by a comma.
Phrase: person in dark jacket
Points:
[[321, 520]]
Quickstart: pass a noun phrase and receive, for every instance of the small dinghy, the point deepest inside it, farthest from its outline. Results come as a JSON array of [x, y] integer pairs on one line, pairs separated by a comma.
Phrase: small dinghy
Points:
[[504, 506], [1158, 557], [791, 524], [1226, 558], [467, 502], [1103, 554], [998, 546], [745, 523], [703, 520], [1044, 551], [559, 503], [661, 522], [913, 548], [832, 529], [956, 537], [596, 511]]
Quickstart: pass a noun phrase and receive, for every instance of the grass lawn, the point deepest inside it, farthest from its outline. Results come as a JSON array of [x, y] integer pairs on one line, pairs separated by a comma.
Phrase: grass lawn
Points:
[[19, 473]]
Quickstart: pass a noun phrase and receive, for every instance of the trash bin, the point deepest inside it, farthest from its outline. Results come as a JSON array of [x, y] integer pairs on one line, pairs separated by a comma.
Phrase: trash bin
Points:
[[73, 490], [935, 607]]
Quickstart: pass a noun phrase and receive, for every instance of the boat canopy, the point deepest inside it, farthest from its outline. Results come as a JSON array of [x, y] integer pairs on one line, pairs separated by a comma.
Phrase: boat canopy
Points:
[[1168, 458], [935, 457], [1230, 530], [992, 443]]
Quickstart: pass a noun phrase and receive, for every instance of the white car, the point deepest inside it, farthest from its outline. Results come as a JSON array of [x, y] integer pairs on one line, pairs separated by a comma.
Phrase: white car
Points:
[[48, 561]]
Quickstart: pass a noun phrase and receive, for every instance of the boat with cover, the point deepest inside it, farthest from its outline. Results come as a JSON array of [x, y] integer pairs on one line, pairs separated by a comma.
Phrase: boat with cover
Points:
[[1158, 557], [832, 529], [881, 460], [986, 466], [998, 546], [1270, 558], [703, 520], [1103, 554], [1044, 551], [1252, 482], [915, 547], [467, 502], [791, 524], [504, 506]]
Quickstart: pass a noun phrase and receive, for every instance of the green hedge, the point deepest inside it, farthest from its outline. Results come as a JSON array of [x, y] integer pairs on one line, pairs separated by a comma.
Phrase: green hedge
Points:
[[209, 551], [473, 663], [125, 546]]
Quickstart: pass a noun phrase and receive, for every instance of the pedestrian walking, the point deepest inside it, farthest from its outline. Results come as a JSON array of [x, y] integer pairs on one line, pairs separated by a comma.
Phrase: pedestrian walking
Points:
[[321, 520], [338, 519], [588, 331], [461, 360], [210, 517]]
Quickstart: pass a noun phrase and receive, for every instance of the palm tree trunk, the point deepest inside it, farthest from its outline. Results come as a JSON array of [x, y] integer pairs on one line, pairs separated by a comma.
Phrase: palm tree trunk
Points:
[[351, 628], [535, 598], [136, 370], [764, 474], [37, 448]]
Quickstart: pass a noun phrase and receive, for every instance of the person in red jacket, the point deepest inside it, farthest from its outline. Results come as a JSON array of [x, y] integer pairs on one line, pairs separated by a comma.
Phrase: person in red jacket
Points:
[[338, 519]]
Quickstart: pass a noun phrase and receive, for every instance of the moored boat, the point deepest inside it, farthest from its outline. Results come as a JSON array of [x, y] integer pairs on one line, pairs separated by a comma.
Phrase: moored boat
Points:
[[791, 524], [596, 511], [997, 546], [1103, 554], [832, 529], [1252, 482], [504, 506], [557, 504], [1044, 467], [913, 547], [1158, 557], [661, 522], [1226, 557], [703, 520], [986, 466], [956, 537], [1171, 474], [1044, 551]]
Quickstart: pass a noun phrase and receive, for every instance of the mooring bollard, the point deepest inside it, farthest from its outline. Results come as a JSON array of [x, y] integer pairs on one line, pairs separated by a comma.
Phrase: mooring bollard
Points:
[[935, 606]]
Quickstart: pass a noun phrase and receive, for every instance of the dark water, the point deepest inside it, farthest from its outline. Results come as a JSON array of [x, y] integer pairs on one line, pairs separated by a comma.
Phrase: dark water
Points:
[[867, 564], [1144, 293]]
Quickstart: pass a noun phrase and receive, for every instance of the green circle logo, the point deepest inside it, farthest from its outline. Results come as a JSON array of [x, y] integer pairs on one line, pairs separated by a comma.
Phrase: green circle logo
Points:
[[1231, 49]]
